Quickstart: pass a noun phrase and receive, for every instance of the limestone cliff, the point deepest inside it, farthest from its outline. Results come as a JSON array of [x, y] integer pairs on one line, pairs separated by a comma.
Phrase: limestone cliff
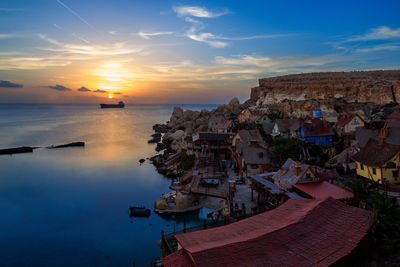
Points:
[[379, 87]]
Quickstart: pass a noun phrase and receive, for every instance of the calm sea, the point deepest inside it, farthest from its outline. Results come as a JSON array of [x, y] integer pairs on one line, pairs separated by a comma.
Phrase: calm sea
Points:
[[69, 206]]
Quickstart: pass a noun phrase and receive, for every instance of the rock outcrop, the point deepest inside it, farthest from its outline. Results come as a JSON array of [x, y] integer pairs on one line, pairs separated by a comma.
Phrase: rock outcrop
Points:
[[333, 92], [379, 87]]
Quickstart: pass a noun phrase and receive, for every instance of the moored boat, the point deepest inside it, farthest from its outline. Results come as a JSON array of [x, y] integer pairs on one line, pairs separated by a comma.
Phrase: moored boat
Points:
[[139, 212], [119, 105]]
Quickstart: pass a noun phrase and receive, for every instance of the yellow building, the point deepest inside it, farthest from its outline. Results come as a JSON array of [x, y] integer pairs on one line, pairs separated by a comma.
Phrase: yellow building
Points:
[[379, 161]]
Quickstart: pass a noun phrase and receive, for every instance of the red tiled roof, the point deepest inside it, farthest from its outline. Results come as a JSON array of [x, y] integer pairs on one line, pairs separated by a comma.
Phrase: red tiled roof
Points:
[[178, 259], [346, 119], [324, 190], [301, 232]]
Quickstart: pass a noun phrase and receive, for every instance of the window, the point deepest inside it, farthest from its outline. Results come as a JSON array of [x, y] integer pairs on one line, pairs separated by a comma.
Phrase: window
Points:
[[374, 171], [355, 122], [391, 165], [308, 175], [396, 174], [254, 166], [361, 166]]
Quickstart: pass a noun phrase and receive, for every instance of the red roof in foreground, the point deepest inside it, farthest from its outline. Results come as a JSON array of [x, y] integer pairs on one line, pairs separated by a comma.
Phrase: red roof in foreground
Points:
[[301, 232], [324, 190]]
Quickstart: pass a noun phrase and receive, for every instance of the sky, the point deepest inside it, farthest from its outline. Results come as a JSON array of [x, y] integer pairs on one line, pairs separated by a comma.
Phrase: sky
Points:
[[142, 52]]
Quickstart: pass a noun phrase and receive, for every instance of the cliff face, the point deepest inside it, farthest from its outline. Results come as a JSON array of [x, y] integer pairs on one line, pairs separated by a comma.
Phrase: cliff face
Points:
[[379, 87]]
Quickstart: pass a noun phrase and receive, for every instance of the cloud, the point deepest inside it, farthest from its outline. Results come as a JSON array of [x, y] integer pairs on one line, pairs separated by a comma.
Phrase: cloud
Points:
[[393, 47], [83, 89], [8, 84], [4, 36], [93, 50], [8, 62], [196, 11], [57, 26], [379, 33], [10, 9], [100, 91], [150, 34], [59, 88], [113, 32], [206, 37]]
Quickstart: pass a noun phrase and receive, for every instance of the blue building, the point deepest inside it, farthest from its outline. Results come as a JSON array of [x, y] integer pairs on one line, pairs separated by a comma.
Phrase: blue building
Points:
[[316, 132]]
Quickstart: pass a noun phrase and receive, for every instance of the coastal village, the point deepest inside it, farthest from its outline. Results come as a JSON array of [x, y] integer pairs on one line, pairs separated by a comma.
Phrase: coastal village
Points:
[[306, 186]]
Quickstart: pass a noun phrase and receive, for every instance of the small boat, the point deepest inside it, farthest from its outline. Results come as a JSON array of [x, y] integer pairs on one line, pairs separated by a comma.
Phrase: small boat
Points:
[[119, 105], [139, 212], [15, 150]]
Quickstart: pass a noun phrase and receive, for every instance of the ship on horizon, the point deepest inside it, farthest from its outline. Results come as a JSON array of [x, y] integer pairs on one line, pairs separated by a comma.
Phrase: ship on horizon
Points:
[[119, 105]]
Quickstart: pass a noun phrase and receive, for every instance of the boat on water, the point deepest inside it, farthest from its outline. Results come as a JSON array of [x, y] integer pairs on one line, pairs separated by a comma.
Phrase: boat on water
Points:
[[119, 105], [139, 211]]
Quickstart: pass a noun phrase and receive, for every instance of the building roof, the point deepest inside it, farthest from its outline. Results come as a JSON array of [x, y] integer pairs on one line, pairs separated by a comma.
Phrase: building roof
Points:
[[317, 128], [220, 122], [178, 259], [363, 135], [347, 118], [258, 111], [375, 154], [286, 176], [323, 190], [267, 127], [271, 187], [393, 120], [253, 154], [285, 124], [250, 135], [300, 232], [211, 136]]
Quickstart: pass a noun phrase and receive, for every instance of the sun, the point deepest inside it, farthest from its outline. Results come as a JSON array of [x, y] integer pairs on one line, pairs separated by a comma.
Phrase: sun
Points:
[[110, 96]]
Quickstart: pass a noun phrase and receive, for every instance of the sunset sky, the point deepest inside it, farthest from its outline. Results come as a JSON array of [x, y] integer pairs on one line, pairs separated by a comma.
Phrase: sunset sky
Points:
[[81, 51]]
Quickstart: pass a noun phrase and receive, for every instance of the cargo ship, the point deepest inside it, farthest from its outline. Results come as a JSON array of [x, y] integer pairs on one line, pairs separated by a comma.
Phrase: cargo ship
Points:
[[119, 105]]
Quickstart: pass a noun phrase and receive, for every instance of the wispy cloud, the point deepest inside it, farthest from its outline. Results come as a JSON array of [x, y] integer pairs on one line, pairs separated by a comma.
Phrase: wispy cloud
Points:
[[379, 33], [8, 84], [10, 62], [196, 11], [206, 37], [94, 50], [100, 91], [6, 36], [57, 26], [59, 88], [6, 9], [148, 35], [83, 89], [391, 47], [76, 14]]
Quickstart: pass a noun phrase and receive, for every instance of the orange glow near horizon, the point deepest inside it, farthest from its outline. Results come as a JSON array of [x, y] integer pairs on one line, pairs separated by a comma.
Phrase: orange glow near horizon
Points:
[[110, 96], [113, 76]]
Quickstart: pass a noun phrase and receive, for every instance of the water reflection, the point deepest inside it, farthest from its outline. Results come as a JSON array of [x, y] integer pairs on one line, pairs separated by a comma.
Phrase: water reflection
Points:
[[74, 201]]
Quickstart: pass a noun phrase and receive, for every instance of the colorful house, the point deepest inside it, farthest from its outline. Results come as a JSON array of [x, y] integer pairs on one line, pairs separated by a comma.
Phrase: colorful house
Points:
[[316, 132], [308, 181], [220, 124], [282, 127], [264, 119], [252, 159], [379, 161], [250, 115], [300, 232], [348, 123]]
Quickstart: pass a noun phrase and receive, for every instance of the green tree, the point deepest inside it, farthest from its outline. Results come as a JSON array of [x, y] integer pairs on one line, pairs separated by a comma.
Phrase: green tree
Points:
[[284, 148]]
